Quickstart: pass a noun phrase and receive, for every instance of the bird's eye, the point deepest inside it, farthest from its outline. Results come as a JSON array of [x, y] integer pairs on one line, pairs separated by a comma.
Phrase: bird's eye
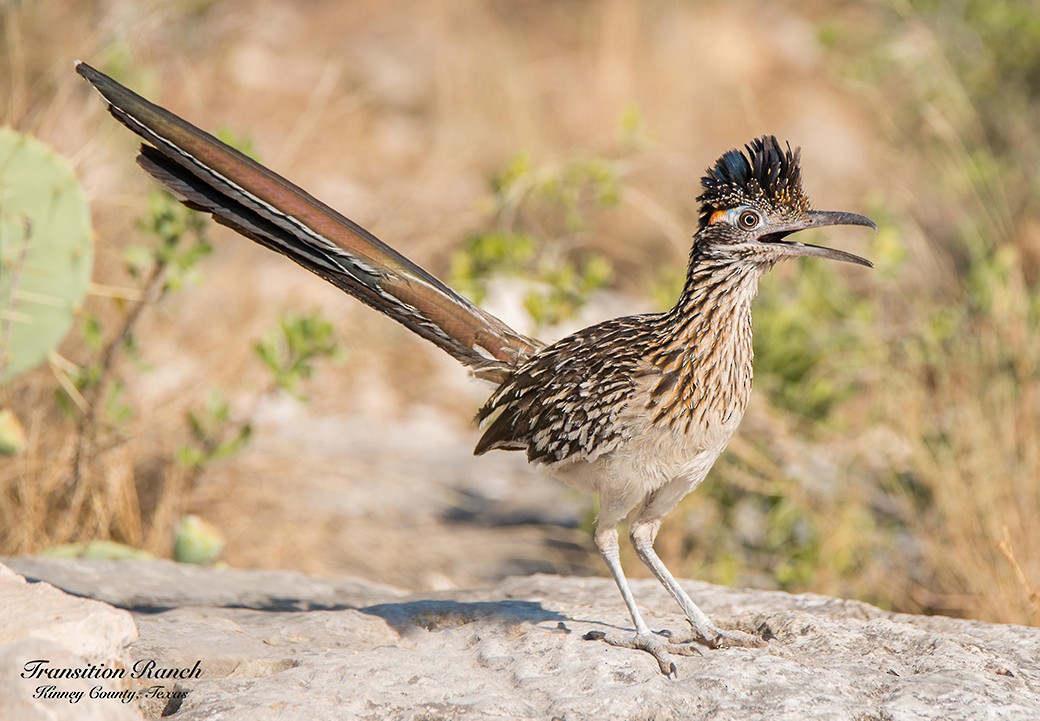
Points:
[[749, 219]]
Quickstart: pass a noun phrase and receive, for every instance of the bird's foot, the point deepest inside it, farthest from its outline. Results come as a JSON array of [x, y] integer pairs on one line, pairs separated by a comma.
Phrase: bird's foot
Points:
[[659, 648], [710, 635]]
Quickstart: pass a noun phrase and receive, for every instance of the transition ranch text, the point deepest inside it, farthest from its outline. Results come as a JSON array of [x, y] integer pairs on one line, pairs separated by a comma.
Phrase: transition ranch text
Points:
[[146, 668]]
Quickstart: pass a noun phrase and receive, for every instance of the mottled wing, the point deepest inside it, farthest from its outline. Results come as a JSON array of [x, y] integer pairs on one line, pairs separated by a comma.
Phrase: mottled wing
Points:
[[565, 402]]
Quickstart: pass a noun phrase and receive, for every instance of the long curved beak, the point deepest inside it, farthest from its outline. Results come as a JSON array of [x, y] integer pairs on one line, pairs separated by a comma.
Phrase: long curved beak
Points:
[[819, 219]]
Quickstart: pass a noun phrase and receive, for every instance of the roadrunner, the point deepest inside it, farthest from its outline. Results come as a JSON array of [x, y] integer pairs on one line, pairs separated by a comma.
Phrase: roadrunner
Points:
[[635, 409]]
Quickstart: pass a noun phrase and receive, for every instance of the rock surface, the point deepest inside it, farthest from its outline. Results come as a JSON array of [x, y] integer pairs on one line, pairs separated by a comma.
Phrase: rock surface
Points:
[[276, 645], [39, 622]]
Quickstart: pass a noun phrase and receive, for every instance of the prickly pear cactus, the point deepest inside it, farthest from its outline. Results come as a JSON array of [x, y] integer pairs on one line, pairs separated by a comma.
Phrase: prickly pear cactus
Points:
[[46, 251], [197, 541]]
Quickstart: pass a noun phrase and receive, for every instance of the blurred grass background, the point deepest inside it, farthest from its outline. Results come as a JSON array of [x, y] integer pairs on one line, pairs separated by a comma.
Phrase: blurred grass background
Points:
[[892, 450]]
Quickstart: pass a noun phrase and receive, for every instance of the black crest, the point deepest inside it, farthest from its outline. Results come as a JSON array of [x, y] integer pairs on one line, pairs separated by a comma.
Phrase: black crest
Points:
[[764, 173]]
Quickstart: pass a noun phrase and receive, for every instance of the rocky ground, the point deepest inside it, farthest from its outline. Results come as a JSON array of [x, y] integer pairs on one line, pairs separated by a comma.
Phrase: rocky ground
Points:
[[278, 645]]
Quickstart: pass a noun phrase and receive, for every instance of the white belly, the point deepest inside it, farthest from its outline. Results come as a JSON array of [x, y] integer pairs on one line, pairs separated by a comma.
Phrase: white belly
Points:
[[654, 459]]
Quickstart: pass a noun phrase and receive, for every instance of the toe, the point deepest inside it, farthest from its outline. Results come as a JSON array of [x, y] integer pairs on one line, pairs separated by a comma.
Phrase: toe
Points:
[[712, 636], [740, 638], [660, 651], [649, 643], [684, 649]]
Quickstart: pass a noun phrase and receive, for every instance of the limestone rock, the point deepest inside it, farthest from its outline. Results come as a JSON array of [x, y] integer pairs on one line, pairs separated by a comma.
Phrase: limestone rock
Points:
[[42, 627], [287, 646]]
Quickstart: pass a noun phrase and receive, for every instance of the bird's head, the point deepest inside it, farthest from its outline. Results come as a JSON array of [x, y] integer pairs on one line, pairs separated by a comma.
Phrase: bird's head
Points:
[[753, 201]]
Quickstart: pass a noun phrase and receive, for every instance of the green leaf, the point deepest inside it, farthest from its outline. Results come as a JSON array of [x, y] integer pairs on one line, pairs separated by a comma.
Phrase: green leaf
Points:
[[138, 260], [290, 352], [98, 551], [92, 331], [12, 434]]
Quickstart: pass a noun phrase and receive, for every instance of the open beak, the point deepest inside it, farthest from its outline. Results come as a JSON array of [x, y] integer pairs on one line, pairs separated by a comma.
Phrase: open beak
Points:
[[818, 219]]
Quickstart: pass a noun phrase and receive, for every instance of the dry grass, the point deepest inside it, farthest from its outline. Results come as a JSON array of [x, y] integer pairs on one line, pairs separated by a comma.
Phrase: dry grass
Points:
[[919, 490]]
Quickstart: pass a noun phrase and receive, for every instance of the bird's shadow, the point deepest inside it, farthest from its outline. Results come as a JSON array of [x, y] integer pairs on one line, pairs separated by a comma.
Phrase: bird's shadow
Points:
[[440, 614]]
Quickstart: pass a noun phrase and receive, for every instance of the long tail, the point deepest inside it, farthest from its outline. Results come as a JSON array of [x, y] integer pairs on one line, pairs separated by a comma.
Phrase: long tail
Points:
[[210, 176]]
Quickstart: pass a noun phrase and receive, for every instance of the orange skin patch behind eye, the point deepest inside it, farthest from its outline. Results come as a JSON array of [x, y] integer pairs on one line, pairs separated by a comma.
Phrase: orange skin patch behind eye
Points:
[[716, 216]]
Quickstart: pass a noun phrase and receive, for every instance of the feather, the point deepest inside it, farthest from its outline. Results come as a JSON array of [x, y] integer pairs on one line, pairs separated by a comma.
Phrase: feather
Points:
[[211, 176], [764, 173]]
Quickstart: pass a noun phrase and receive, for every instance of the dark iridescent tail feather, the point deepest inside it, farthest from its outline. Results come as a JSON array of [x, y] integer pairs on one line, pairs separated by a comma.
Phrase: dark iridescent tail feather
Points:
[[211, 176]]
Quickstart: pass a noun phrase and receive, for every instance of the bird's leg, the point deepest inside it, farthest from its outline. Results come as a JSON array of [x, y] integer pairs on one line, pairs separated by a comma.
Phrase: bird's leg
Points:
[[643, 533], [644, 639], [607, 543]]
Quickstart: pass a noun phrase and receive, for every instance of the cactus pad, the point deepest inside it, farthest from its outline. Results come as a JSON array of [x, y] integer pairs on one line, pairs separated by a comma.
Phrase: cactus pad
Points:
[[46, 251]]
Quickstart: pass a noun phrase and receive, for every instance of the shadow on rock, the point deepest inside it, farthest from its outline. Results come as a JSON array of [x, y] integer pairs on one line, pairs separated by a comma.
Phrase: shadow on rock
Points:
[[438, 615]]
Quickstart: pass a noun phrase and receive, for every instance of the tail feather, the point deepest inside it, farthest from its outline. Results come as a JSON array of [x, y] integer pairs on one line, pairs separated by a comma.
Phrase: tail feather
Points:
[[210, 176]]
